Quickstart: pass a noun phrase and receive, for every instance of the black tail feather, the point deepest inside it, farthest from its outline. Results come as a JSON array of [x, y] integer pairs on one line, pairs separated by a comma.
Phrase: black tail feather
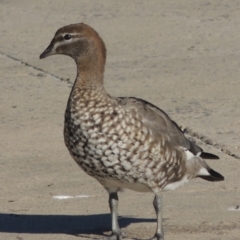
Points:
[[206, 155], [214, 177]]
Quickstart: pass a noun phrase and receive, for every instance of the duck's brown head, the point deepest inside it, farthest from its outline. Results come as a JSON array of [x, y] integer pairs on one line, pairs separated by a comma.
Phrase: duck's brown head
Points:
[[79, 41]]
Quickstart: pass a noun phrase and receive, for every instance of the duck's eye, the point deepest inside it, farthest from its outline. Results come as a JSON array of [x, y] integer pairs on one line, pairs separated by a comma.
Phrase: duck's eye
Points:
[[67, 37]]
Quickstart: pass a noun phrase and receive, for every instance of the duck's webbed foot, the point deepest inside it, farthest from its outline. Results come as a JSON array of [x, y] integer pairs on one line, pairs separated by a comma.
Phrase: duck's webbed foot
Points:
[[116, 236]]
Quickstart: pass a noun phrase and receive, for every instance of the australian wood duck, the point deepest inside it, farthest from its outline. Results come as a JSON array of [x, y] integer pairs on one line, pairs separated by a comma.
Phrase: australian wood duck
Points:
[[122, 142]]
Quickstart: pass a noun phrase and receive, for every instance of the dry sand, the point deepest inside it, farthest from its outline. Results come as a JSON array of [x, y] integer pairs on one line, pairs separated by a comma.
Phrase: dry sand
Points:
[[183, 56]]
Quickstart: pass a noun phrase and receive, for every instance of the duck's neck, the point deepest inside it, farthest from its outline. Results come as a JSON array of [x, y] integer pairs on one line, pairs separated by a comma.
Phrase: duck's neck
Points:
[[90, 73]]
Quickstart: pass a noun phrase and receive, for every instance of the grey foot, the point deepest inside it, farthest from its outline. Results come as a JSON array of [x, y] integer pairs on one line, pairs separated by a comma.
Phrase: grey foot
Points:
[[157, 237], [116, 236]]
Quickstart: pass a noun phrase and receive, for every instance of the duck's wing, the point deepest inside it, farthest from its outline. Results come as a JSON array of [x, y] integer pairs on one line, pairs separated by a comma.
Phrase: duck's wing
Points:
[[162, 126]]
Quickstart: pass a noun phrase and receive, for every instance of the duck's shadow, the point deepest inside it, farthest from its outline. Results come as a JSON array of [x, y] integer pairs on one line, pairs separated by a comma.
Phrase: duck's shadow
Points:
[[62, 224]]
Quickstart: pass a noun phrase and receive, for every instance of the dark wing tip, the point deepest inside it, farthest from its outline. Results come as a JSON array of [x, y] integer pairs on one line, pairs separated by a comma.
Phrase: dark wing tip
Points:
[[214, 177], [206, 155]]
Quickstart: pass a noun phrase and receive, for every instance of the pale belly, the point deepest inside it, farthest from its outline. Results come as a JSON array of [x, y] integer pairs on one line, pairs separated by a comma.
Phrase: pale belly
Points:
[[113, 184]]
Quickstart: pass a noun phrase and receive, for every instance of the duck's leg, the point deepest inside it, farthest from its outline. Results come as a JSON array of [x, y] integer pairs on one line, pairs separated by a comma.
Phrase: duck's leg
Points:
[[117, 234], [157, 203]]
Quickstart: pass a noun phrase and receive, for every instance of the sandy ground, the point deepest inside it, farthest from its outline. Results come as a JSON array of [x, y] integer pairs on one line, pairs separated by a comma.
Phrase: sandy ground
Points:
[[183, 56]]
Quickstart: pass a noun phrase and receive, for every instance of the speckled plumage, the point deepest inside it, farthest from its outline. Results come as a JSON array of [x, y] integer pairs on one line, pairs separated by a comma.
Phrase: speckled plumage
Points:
[[107, 137], [122, 142]]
